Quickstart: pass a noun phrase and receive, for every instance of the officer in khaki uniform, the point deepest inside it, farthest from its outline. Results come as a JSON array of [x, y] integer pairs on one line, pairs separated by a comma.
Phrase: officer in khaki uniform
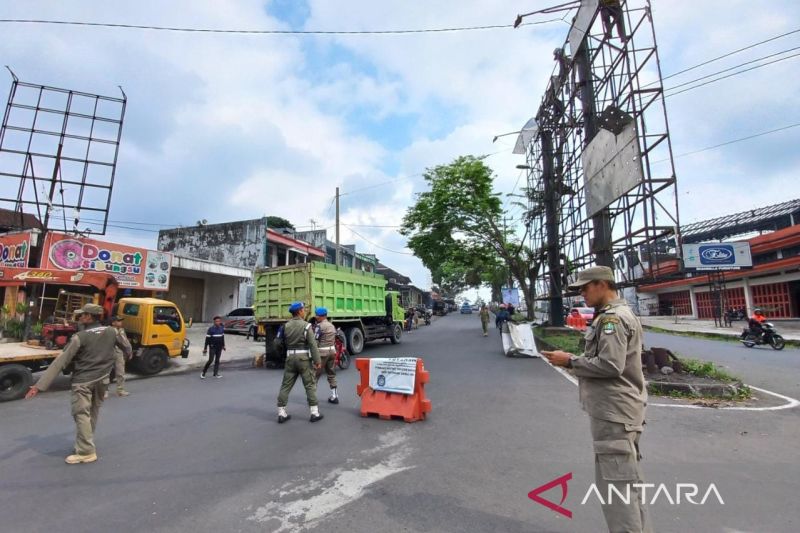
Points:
[[326, 341], [119, 359], [301, 355], [613, 393], [90, 352]]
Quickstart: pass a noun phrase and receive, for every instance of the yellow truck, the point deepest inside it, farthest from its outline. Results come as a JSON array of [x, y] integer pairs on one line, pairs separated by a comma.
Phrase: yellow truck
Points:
[[155, 328]]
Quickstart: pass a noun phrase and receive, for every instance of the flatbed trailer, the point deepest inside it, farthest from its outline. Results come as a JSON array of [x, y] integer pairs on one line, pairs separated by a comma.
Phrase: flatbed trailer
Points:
[[18, 361]]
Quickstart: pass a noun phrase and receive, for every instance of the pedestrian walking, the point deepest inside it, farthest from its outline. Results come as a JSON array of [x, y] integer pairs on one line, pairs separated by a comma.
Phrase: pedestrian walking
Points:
[[612, 392], [485, 319], [214, 346], [90, 355], [301, 356], [118, 372], [326, 342]]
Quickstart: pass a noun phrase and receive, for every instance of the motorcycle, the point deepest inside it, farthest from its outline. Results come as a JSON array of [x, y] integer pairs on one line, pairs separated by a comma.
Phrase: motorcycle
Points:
[[342, 357], [768, 336]]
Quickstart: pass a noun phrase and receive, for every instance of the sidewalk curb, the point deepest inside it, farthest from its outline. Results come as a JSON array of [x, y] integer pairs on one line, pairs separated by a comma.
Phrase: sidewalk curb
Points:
[[182, 368]]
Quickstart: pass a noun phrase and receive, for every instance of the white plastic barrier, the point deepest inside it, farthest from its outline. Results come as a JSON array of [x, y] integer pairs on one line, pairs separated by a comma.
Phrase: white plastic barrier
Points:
[[518, 340]]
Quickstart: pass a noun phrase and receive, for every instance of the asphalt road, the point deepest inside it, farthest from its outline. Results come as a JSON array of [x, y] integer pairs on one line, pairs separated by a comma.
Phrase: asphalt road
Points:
[[182, 454]]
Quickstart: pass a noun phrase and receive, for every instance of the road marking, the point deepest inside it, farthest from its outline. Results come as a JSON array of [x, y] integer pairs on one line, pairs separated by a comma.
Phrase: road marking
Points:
[[303, 503], [790, 402]]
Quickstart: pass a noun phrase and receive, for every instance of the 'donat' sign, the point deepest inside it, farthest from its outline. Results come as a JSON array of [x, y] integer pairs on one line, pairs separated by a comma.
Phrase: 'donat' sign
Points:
[[135, 268], [393, 375], [15, 248], [717, 256]]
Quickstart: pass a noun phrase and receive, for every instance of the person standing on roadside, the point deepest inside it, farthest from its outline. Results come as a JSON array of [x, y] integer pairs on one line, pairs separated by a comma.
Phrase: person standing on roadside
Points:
[[612, 392], [90, 355], [119, 359], [485, 319], [215, 340]]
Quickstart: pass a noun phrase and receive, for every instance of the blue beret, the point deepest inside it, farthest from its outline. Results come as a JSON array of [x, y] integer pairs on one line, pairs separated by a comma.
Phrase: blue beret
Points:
[[295, 307], [321, 311]]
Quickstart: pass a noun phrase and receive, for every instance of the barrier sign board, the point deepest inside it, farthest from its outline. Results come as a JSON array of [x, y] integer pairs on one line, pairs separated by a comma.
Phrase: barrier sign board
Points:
[[393, 374], [717, 256]]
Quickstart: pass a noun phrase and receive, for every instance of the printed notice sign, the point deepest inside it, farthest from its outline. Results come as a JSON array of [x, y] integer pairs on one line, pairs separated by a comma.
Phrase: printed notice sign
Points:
[[393, 375]]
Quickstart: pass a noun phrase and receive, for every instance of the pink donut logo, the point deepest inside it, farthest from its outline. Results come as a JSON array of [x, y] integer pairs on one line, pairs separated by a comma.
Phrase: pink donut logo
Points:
[[66, 254]]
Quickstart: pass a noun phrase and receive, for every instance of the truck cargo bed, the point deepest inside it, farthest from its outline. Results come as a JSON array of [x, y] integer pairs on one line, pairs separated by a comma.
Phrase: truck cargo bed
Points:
[[345, 292]]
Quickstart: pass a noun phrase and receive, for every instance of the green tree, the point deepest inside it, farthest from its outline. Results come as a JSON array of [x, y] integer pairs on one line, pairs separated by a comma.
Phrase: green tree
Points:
[[456, 228], [278, 222]]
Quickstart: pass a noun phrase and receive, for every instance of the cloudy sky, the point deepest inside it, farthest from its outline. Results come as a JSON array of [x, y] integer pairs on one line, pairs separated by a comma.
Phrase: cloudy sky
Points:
[[228, 127]]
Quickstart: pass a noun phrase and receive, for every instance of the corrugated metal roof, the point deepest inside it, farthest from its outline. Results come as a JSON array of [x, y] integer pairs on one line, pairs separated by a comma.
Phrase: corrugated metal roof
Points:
[[772, 217]]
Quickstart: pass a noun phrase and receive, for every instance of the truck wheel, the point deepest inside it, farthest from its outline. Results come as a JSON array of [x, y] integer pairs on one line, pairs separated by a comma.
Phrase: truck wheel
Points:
[[152, 361], [15, 380], [355, 341], [397, 332], [253, 333]]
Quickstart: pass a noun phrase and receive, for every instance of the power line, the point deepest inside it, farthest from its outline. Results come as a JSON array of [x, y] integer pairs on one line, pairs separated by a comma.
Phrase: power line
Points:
[[266, 32], [726, 143], [369, 226], [733, 67], [730, 75], [728, 54], [376, 245]]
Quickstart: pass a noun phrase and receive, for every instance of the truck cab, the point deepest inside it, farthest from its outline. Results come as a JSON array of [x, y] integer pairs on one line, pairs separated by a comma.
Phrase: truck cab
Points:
[[156, 330]]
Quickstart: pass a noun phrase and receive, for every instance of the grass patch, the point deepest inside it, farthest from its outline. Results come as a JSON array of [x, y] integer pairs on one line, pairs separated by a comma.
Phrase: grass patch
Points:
[[743, 393], [569, 342], [707, 369]]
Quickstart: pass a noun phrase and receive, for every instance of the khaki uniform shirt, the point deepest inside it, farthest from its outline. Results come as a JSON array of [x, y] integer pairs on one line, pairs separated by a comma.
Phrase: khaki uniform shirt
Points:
[[298, 335], [91, 352], [326, 334], [610, 373], [123, 339]]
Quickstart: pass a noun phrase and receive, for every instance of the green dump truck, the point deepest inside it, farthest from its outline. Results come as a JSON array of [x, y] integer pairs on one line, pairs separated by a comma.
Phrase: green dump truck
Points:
[[357, 302]]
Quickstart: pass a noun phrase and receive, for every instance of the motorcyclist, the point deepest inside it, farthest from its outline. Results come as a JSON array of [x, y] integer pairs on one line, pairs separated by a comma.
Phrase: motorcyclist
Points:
[[755, 322], [502, 316]]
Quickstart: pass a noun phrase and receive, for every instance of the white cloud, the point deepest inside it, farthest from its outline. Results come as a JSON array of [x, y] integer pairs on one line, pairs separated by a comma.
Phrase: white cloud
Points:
[[228, 127]]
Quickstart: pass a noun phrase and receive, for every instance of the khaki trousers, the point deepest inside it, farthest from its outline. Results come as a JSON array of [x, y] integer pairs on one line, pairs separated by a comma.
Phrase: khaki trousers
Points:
[[86, 402], [298, 366], [119, 370], [328, 366], [616, 462]]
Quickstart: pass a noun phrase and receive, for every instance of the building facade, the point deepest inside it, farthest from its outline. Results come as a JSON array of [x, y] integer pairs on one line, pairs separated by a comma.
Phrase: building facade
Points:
[[772, 284]]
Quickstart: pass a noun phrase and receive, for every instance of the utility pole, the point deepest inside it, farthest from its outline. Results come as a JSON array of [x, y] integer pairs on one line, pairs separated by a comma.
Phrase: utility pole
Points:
[[337, 226], [601, 222], [551, 229]]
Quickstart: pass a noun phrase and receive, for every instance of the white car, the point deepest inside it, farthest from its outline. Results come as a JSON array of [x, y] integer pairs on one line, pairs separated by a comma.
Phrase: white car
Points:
[[241, 320]]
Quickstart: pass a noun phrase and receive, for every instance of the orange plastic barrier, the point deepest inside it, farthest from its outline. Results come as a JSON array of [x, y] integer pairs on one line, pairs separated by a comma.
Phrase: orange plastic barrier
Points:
[[387, 405]]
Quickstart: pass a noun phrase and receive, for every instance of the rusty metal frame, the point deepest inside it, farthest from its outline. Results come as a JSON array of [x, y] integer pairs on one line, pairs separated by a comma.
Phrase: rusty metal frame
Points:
[[38, 186], [644, 221]]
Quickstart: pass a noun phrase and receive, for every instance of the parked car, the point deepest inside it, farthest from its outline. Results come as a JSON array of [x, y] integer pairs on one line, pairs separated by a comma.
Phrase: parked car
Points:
[[586, 313], [241, 320], [466, 309]]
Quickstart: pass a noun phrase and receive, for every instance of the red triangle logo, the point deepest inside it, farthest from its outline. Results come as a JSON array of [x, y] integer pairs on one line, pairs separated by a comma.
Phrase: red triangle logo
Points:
[[562, 482]]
